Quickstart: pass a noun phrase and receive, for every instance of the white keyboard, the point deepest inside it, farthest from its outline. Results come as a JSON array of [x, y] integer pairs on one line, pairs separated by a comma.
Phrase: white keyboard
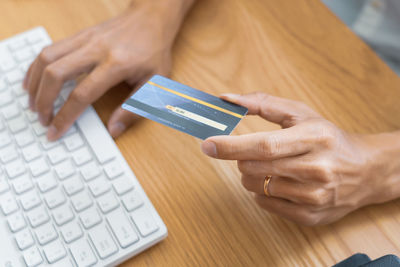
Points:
[[73, 202]]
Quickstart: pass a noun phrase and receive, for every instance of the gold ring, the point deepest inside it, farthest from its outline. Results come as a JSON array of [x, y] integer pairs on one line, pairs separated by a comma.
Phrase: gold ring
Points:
[[266, 183]]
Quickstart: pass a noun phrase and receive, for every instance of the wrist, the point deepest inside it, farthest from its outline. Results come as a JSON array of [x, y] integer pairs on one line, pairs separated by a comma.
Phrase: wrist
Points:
[[383, 166], [165, 16]]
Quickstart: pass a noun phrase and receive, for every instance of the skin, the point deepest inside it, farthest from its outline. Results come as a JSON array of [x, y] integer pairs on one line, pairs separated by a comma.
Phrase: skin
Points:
[[131, 47], [319, 172]]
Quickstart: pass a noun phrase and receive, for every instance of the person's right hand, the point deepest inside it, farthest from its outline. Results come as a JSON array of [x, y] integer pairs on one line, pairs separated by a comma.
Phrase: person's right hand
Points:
[[131, 48]]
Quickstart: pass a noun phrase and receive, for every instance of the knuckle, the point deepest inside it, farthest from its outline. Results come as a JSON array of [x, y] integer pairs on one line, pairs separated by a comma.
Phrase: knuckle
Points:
[[308, 218], [318, 197], [80, 97], [45, 55], [327, 134], [52, 72], [268, 148]]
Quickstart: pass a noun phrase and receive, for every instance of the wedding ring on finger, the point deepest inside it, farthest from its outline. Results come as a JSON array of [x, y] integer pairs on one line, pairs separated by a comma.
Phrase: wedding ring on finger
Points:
[[267, 179]]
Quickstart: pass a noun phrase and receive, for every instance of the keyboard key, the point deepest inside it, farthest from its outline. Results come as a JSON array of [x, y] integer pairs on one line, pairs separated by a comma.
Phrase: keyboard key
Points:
[[23, 54], [3, 183], [90, 171], [64, 169], [10, 111], [57, 154], [22, 184], [73, 185], [90, 218], [102, 241], [39, 129], [37, 48], [15, 76], [46, 144], [103, 153], [24, 239], [38, 167], [32, 257], [45, 233], [31, 152], [73, 141], [33, 39], [82, 253], [82, 156], [17, 44], [107, 202], [30, 200], [24, 138], [62, 214], [122, 228], [7, 63], [37, 216], [54, 198], [5, 98], [8, 153], [132, 201], [18, 90], [17, 124], [15, 168], [113, 170], [144, 221], [32, 116], [8, 203], [71, 232], [46, 182], [54, 252], [81, 201], [16, 222], [99, 186], [24, 101], [122, 185], [3, 85], [5, 139]]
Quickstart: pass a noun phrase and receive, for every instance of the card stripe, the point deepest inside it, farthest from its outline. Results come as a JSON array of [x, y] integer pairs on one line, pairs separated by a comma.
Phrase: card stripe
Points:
[[196, 100]]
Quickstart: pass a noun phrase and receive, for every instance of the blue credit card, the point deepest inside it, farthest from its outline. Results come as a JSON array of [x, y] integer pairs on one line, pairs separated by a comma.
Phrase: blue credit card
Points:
[[184, 108]]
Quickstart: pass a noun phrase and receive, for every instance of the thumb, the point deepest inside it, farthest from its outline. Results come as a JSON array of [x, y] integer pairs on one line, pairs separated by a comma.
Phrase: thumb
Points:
[[284, 112], [120, 121]]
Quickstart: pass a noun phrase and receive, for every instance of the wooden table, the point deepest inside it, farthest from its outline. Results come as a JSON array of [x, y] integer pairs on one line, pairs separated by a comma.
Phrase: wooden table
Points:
[[296, 49]]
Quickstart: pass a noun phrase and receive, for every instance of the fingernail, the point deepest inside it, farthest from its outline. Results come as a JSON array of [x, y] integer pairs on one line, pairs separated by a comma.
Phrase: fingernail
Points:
[[231, 97], [117, 129], [209, 148], [52, 133]]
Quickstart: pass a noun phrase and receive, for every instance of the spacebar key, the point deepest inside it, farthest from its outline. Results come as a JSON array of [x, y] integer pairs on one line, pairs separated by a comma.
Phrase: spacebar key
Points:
[[96, 135]]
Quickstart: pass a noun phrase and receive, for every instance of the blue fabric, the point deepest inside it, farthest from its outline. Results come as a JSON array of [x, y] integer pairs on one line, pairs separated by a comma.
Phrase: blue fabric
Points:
[[362, 260]]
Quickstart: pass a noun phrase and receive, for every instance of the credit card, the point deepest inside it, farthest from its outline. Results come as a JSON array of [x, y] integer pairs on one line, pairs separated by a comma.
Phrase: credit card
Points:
[[184, 108]]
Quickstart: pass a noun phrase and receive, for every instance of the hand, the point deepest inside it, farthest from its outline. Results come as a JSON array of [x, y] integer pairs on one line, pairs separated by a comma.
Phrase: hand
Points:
[[132, 48], [319, 172]]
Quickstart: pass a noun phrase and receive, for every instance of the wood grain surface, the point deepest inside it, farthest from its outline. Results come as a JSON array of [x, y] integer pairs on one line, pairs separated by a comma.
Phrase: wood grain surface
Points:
[[295, 49]]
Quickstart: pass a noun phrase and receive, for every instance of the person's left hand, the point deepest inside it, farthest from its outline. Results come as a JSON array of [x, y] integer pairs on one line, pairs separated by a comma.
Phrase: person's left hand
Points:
[[319, 172]]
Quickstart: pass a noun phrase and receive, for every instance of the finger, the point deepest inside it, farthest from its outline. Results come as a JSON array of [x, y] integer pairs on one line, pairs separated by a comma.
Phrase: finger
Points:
[[47, 56], [89, 90], [53, 78], [286, 167], [259, 146], [121, 119], [288, 210], [275, 109]]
